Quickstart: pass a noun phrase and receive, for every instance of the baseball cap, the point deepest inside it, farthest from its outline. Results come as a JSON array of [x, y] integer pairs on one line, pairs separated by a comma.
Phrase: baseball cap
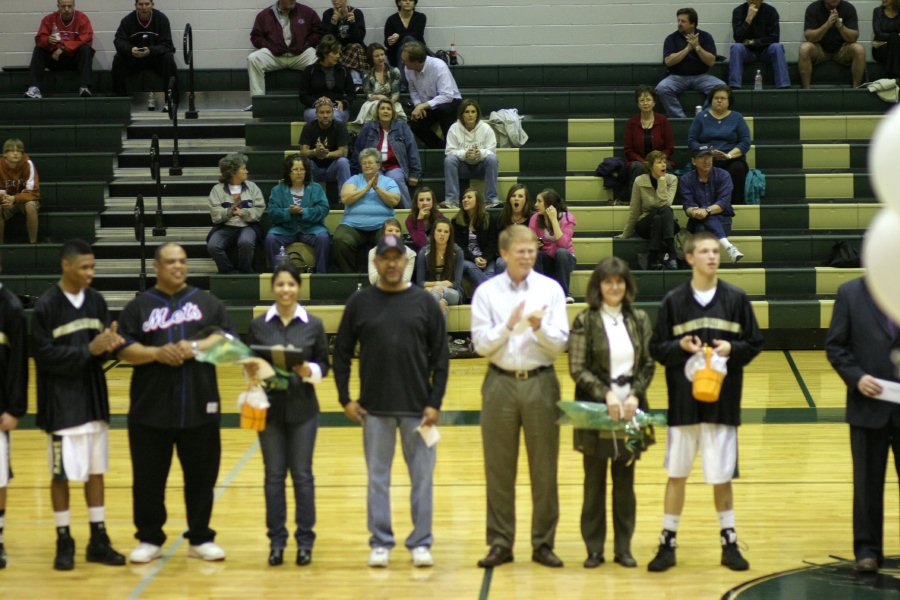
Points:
[[388, 243], [705, 150]]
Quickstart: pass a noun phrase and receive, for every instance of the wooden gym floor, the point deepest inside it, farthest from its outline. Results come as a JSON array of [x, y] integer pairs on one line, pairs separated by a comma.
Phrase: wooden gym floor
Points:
[[793, 503]]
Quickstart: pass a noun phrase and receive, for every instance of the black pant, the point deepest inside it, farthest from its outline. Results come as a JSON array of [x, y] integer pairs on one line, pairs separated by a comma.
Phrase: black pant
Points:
[[80, 61], [889, 56], [593, 511], [163, 65], [658, 226], [738, 169], [869, 448], [151, 457], [444, 115]]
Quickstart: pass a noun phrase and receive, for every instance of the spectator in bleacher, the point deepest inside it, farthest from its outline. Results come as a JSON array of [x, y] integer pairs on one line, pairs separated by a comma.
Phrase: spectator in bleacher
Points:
[[286, 35], [646, 131], [554, 227], [886, 38], [143, 43], [289, 437], [706, 194], [728, 133], [392, 227], [422, 217], [63, 43], [757, 33], [650, 215], [688, 54], [475, 233], [831, 30], [21, 191], [434, 94], [328, 80], [325, 143], [297, 208], [382, 82], [368, 198], [235, 206], [610, 362], [471, 151], [401, 28], [399, 153], [439, 267], [348, 25], [517, 210]]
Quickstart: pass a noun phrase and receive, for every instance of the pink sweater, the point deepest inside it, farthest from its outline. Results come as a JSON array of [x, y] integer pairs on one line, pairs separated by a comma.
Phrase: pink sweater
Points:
[[550, 246]]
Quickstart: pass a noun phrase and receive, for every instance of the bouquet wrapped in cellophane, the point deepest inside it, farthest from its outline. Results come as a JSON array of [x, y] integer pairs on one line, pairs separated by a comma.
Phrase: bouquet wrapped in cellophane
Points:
[[637, 434], [230, 350]]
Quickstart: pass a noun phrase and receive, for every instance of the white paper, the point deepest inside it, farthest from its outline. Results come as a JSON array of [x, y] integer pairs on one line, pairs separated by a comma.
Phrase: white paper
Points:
[[430, 434], [890, 391]]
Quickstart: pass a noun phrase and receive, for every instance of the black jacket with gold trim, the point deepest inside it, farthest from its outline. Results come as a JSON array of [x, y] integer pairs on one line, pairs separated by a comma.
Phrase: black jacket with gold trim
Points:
[[13, 355]]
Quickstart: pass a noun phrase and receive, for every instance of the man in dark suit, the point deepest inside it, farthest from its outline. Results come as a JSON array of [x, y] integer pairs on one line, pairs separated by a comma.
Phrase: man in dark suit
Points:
[[859, 344]]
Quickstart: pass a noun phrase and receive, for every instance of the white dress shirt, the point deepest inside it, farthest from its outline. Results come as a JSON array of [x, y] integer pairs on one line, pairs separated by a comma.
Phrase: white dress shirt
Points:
[[523, 348], [434, 84]]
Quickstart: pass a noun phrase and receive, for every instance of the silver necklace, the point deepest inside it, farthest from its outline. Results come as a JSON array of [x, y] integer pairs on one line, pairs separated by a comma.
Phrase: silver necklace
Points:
[[615, 318]]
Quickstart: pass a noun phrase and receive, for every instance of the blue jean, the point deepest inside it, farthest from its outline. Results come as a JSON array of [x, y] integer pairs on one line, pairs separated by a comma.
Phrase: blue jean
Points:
[[454, 168], [226, 237], [379, 441], [338, 171], [320, 242], [476, 274], [772, 54], [289, 446], [559, 267], [399, 178], [717, 225], [670, 88], [341, 116]]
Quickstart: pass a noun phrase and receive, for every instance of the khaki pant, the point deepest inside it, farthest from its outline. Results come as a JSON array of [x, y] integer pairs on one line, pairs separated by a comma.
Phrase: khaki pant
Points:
[[262, 61]]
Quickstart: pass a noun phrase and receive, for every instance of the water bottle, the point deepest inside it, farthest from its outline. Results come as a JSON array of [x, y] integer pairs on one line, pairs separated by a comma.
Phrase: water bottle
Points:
[[54, 31], [757, 81], [698, 109], [281, 258], [452, 55]]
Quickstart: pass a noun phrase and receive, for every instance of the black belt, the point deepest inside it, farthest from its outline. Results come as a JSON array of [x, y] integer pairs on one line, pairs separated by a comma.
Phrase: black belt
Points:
[[622, 380], [522, 374]]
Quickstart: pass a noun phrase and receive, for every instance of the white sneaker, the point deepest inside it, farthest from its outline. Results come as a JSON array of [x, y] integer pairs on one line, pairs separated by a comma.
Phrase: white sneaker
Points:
[[570, 300], [380, 557], [734, 254], [421, 557], [33, 92], [448, 205], [145, 552], [208, 551], [495, 203], [247, 108], [151, 101]]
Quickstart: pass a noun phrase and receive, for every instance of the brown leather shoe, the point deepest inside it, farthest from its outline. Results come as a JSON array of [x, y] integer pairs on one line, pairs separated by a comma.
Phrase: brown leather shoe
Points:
[[498, 555], [867, 565], [545, 556]]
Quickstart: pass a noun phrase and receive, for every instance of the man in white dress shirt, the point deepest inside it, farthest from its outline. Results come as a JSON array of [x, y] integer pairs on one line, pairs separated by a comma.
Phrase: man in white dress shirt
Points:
[[519, 323], [434, 94]]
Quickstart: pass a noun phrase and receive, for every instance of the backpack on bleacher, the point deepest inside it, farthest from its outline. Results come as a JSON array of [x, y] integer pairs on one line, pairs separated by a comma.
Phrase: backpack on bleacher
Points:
[[754, 187]]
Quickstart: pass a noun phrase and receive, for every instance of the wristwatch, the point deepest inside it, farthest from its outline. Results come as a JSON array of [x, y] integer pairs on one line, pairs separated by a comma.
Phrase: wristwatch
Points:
[[195, 348], [708, 211]]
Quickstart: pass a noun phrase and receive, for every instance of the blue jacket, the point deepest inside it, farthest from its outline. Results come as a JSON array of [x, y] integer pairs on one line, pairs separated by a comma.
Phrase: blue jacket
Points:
[[315, 209], [401, 140]]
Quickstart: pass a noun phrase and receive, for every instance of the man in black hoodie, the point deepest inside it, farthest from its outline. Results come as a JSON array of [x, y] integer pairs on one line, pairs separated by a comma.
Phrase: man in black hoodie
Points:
[[143, 42]]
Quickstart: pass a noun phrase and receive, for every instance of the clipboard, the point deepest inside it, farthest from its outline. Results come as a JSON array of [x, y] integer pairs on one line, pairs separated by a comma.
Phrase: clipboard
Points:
[[279, 356]]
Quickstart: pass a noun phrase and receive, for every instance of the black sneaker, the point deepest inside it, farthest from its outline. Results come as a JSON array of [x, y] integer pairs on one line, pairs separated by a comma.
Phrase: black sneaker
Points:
[[731, 555], [2, 556], [665, 556], [65, 554], [100, 550]]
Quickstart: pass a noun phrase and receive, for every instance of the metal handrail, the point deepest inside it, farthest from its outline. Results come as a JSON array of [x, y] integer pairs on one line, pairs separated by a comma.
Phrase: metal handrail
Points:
[[141, 239], [191, 112], [159, 229], [172, 107]]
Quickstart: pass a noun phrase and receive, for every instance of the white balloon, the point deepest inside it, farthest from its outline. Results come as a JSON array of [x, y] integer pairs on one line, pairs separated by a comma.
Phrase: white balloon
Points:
[[880, 253], [884, 153]]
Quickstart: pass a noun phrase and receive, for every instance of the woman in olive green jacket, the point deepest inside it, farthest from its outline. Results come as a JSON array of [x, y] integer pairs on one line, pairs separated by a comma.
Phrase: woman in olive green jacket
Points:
[[609, 359]]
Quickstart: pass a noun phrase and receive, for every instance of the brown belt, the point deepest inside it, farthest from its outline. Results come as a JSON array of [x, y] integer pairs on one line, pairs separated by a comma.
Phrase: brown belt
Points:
[[521, 374]]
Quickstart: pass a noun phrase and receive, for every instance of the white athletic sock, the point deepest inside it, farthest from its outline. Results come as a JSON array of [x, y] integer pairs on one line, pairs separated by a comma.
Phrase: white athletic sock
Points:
[[62, 518], [725, 243], [670, 522], [96, 514], [726, 519]]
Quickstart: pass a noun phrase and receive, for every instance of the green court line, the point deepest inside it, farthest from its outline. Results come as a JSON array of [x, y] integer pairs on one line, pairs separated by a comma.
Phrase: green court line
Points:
[[799, 377], [486, 583]]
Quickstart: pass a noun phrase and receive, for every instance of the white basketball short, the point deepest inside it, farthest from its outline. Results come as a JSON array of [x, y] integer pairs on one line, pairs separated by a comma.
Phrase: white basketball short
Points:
[[718, 449], [74, 456], [4, 459]]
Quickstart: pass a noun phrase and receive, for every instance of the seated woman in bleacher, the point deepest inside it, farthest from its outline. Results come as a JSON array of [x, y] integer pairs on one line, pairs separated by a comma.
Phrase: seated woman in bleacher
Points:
[[399, 153], [406, 25], [327, 79], [646, 131], [439, 266], [422, 217], [727, 131], [235, 206], [475, 233], [651, 215], [298, 207], [517, 210], [382, 82], [471, 151], [554, 226], [392, 227], [886, 38], [348, 25]]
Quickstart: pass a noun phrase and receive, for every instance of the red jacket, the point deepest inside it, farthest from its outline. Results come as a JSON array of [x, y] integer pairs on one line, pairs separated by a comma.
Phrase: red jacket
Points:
[[663, 138], [306, 30], [72, 36], [22, 182]]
